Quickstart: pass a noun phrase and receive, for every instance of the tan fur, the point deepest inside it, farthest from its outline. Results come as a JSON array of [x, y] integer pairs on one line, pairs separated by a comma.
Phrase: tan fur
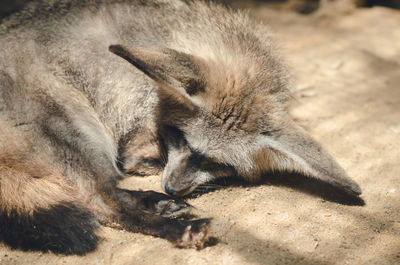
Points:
[[22, 192]]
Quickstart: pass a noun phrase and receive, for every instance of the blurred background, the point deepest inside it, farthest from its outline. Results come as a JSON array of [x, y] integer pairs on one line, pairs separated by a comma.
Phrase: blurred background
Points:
[[300, 6], [310, 6]]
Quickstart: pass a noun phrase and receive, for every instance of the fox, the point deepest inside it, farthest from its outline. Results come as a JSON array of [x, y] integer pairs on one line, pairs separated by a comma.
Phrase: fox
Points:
[[94, 91]]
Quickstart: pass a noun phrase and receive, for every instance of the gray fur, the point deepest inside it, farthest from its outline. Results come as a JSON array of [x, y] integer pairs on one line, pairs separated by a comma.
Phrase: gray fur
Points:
[[207, 96]]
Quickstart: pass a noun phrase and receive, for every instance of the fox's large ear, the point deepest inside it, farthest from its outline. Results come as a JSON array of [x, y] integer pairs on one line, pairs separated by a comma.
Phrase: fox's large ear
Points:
[[179, 74], [292, 149]]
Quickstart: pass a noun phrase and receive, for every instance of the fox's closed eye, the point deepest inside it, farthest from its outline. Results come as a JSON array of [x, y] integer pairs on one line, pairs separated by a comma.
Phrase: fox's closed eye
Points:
[[269, 132]]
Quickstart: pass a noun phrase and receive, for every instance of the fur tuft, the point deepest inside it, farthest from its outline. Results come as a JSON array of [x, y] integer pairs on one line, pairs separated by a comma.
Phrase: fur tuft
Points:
[[64, 228]]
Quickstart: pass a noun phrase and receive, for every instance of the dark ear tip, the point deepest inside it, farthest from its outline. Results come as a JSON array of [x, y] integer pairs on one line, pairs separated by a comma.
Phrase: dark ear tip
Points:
[[355, 190], [117, 49]]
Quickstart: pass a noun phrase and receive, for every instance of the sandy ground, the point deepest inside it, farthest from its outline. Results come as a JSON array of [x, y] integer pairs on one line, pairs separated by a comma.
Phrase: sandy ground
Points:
[[347, 94]]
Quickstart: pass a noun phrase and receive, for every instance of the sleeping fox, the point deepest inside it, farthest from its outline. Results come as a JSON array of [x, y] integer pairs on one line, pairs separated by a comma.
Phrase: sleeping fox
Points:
[[91, 91]]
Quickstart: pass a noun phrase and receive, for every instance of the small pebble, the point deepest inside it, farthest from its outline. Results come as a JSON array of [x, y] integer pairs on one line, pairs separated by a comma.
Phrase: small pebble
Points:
[[307, 94], [395, 129], [337, 65]]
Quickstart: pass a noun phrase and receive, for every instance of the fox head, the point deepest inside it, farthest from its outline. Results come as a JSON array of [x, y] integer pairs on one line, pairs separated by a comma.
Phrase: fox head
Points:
[[217, 122]]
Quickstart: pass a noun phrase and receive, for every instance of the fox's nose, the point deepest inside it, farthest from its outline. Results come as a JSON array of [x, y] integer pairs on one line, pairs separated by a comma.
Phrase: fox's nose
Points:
[[169, 190]]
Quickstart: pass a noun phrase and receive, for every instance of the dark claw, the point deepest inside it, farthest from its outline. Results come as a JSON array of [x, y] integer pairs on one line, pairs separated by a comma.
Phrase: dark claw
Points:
[[173, 208], [154, 202], [165, 205]]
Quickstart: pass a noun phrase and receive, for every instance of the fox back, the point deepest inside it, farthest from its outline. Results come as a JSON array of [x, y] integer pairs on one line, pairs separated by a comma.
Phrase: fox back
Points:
[[201, 93]]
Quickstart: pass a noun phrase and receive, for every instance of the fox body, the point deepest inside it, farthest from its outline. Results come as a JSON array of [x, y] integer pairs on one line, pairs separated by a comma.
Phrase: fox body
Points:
[[201, 93]]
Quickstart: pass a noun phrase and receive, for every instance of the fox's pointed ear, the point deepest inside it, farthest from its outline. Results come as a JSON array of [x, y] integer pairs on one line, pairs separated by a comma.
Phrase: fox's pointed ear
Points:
[[293, 149], [179, 74]]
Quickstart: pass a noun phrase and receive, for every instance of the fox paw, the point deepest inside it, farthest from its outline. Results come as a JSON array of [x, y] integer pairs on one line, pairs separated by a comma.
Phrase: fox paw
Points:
[[173, 208], [195, 235], [165, 205], [154, 203]]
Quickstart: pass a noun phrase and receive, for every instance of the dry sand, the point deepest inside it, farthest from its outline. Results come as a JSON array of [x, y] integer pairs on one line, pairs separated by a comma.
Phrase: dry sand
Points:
[[347, 95]]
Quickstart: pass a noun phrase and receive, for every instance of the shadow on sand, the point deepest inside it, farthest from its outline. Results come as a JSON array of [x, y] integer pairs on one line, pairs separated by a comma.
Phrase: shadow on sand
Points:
[[292, 180]]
